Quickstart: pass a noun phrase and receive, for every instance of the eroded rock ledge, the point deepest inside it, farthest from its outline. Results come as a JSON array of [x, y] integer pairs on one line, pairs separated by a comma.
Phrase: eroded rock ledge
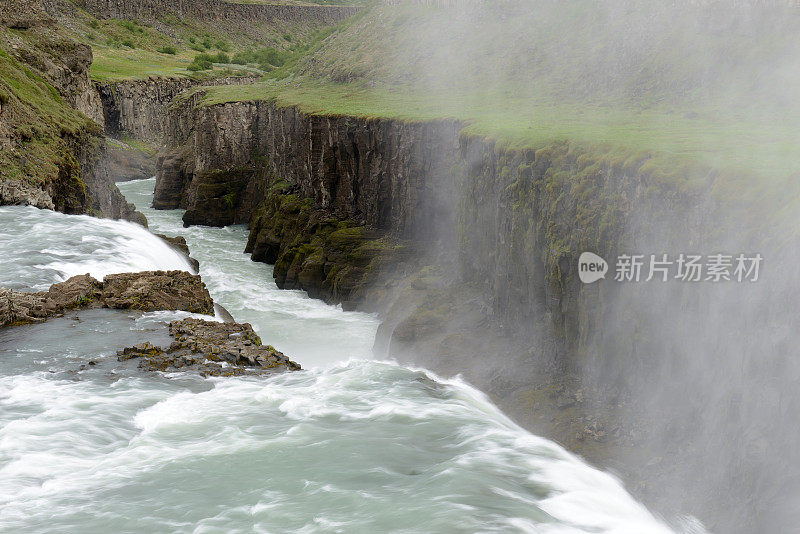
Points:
[[145, 291], [213, 349]]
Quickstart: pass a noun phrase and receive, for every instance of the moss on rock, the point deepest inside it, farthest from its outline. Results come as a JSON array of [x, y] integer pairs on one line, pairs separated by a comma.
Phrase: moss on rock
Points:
[[337, 260]]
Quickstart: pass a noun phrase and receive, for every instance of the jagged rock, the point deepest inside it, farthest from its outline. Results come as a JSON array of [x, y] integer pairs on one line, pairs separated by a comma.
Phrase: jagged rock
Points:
[[22, 15], [16, 193], [146, 291], [171, 181], [138, 107], [213, 349], [157, 290], [240, 17], [53, 164]]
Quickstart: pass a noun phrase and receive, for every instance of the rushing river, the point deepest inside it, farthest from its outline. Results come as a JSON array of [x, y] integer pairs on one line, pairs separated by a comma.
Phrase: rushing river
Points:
[[347, 445]]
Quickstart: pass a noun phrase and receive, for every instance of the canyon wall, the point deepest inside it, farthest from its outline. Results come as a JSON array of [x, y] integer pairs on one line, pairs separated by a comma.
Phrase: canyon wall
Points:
[[508, 224], [138, 108], [514, 220], [215, 10], [328, 199], [468, 250], [50, 117], [381, 173]]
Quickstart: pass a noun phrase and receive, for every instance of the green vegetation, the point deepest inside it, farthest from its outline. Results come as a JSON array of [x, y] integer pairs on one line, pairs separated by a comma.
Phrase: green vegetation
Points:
[[266, 58], [206, 61], [679, 98], [42, 126], [663, 96], [116, 64], [201, 62], [130, 26], [127, 49], [331, 259]]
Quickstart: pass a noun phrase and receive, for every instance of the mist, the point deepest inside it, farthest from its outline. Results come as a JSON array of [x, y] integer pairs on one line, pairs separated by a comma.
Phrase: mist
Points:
[[691, 388]]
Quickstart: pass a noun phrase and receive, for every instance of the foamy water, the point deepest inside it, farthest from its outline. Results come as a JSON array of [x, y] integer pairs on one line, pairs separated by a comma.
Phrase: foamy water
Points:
[[351, 445]]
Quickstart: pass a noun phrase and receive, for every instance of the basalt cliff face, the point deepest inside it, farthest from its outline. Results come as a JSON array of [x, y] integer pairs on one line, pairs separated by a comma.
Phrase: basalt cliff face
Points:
[[381, 173], [469, 251], [214, 10], [329, 200], [138, 108], [503, 220]]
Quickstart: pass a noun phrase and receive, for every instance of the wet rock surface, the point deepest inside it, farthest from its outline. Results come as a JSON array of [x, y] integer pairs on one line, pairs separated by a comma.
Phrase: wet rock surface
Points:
[[212, 349], [145, 291], [157, 290], [179, 243]]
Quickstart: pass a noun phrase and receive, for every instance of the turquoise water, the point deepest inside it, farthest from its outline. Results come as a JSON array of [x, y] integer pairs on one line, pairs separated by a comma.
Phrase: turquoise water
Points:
[[347, 445]]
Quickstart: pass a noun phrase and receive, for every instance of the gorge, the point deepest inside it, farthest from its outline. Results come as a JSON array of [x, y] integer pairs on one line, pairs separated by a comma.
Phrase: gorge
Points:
[[454, 247]]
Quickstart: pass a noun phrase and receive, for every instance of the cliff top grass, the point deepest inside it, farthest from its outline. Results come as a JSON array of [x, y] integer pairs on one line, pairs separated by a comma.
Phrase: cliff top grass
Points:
[[670, 137], [676, 86]]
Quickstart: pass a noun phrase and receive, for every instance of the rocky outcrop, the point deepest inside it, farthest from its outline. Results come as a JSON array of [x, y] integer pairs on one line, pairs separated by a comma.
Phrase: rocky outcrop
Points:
[[103, 197], [328, 199], [24, 14], [138, 108], [215, 10], [388, 174], [52, 155], [157, 290], [212, 349], [127, 162], [144, 291], [334, 259], [18, 193], [64, 63]]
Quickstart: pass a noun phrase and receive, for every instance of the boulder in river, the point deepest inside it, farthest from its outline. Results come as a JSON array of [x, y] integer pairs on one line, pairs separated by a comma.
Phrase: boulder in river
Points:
[[213, 349], [145, 291]]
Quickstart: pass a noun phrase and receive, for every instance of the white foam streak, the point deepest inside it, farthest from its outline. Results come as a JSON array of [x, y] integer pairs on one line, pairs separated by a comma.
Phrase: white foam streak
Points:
[[352, 445], [48, 247]]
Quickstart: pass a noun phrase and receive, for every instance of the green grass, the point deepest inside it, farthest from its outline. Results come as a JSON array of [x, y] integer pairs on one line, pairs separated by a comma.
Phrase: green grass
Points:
[[691, 105], [669, 137], [115, 64], [126, 49], [678, 93]]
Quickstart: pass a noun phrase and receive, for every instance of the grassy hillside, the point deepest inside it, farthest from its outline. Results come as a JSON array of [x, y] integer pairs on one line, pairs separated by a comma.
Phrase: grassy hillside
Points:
[[678, 90], [36, 122], [132, 49], [672, 90]]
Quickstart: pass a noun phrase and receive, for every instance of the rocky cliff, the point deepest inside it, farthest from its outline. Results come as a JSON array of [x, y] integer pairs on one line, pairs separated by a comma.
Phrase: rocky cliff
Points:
[[328, 199], [138, 108], [469, 250], [214, 10], [51, 153]]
